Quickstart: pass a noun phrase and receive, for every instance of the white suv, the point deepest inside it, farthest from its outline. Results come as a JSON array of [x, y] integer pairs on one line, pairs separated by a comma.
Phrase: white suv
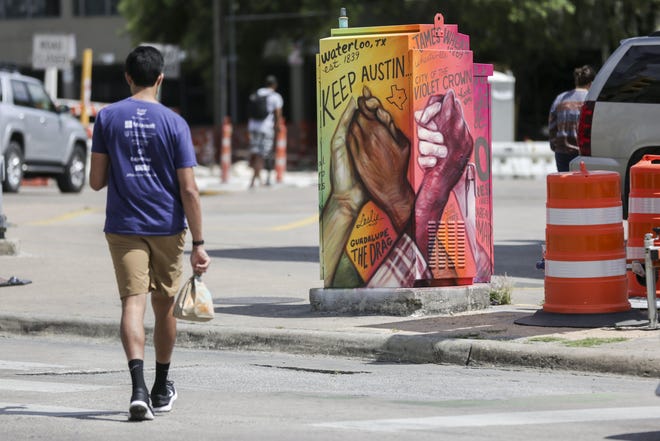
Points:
[[620, 119], [38, 139]]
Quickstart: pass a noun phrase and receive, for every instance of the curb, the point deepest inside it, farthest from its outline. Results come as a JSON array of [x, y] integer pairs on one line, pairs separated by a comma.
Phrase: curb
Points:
[[401, 301], [543, 356], [399, 348]]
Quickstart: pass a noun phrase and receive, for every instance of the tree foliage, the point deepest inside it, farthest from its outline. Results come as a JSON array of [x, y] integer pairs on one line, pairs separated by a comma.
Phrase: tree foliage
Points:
[[186, 23], [540, 41]]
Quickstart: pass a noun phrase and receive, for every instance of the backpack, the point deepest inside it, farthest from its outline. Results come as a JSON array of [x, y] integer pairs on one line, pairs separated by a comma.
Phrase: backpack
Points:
[[258, 106]]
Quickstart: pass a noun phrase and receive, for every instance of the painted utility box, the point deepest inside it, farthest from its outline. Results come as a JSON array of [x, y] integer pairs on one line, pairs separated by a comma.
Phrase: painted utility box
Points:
[[404, 158]]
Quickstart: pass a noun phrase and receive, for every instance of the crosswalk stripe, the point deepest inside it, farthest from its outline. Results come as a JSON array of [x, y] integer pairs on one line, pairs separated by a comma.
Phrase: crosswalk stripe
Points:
[[38, 409], [26, 365], [499, 419], [46, 386]]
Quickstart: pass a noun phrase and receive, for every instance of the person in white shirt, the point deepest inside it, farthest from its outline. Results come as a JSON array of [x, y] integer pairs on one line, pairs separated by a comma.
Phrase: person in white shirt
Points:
[[263, 129]]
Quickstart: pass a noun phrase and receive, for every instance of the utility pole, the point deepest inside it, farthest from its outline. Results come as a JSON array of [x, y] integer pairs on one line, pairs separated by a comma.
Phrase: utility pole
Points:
[[232, 61], [219, 69]]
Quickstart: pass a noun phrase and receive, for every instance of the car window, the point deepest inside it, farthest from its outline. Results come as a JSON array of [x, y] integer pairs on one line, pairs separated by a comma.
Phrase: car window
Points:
[[20, 93], [636, 78], [39, 97]]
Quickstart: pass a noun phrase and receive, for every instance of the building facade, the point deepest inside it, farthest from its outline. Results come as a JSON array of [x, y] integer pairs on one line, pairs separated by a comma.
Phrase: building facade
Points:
[[95, 24]]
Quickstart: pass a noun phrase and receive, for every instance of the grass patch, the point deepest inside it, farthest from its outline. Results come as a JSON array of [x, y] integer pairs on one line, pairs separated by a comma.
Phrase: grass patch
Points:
[[589, 342], [547, 339], [501, 288]]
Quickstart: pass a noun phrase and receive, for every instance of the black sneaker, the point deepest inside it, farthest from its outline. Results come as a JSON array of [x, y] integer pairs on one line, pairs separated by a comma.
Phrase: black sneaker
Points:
[[163, 403], [140, 409]]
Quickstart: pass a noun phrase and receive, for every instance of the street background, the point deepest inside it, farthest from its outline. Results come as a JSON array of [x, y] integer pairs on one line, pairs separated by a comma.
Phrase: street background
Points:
[[264, 249], [263, 242], [73, 388], [269, 367]]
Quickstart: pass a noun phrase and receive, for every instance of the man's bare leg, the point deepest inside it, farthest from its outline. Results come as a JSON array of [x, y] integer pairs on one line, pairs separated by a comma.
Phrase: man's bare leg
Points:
[[164, 327], [132, 338]]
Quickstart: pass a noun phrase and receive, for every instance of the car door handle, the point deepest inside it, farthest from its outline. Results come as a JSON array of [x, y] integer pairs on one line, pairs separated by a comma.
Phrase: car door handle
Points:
[[42, 120]]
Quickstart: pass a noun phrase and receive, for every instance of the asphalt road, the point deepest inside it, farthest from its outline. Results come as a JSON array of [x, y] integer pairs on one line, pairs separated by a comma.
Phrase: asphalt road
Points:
[[78, 389]]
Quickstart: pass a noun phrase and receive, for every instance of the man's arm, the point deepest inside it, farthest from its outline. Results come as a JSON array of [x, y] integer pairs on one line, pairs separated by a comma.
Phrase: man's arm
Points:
[[277, 118], [98, 173], [192, 208]]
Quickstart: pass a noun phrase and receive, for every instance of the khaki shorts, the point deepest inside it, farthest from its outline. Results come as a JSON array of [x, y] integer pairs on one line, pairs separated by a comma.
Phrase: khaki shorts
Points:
[[146, 264]]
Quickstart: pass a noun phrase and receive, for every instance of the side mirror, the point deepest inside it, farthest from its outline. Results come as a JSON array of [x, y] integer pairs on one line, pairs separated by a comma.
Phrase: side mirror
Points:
[[63, 108]]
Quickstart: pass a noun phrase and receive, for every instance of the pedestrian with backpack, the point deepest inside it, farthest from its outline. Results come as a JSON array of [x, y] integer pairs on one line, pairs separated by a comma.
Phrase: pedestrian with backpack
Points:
[[265, 116]]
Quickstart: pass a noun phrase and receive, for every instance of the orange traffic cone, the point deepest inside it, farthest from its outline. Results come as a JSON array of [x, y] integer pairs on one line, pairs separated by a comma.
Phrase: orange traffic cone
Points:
[[280, 152], [225, 150]]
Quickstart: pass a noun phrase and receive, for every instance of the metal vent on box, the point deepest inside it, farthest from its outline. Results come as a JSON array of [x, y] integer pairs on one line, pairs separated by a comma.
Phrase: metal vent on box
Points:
[[447, 245]]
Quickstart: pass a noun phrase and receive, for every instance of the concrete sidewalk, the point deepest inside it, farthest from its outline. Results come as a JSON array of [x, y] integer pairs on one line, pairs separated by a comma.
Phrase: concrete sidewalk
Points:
[[262, 302]]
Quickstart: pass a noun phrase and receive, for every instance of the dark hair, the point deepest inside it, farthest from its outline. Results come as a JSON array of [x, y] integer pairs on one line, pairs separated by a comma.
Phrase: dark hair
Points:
[[271, 81], [143, 65], [584, 75]]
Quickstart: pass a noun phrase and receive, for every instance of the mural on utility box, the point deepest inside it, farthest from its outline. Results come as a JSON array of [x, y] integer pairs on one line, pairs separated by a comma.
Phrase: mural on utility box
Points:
[[404, 195]]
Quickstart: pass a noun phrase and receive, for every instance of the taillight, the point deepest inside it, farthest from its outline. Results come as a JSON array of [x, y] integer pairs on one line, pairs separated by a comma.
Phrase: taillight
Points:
[[584, 127]]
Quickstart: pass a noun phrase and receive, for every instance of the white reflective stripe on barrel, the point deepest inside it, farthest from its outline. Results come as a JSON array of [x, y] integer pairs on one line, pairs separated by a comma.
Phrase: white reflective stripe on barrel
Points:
[[644, 205], [584, 216], [585, 269], [637, 253]]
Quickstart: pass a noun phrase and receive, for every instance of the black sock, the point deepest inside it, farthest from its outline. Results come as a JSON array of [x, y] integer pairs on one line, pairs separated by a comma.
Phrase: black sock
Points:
[[136, 367], [162, 369]]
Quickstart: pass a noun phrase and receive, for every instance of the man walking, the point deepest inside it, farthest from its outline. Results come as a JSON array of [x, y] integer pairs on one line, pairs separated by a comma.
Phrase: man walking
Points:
[[143, 153], [263, 125]]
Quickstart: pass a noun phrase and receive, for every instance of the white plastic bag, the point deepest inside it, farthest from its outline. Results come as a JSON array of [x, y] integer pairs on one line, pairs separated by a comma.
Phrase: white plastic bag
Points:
[[194, 301]]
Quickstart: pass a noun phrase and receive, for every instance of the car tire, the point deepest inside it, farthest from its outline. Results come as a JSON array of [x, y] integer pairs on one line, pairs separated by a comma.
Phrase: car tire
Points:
[[73, 178], [13, 168]]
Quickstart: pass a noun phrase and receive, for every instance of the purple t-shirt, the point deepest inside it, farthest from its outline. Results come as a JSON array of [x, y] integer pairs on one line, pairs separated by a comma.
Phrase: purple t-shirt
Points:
[[146, 143]]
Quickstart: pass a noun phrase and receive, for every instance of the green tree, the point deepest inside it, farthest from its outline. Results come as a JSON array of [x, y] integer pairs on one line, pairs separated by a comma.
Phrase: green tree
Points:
[[186, 23], [539, 41]]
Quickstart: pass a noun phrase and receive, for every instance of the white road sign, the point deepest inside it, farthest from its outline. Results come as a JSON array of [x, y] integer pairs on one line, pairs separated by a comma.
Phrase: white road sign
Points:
[[52, 50]]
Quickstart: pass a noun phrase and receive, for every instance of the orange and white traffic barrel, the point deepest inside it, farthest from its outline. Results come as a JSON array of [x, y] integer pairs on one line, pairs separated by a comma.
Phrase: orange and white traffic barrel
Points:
[[225, 150], [643, 216], [280, 152], [585, 257]]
